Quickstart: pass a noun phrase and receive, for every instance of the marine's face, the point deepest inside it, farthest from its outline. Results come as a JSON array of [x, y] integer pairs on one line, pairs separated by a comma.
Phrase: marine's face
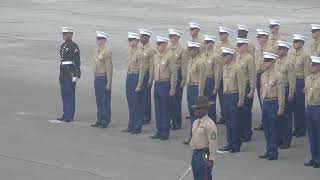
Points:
[[227, 58], [297, 44], [161, 46], [133, 42], [223, 36], [144, 38], [315, 34], [193, 51], [242, 34], [174, 38], [274, 29], [208, 44], [67, 36], [266, 65], [194, 31], [315, 68], [281, 51], [101, 41], [200, 113], [262, 39]]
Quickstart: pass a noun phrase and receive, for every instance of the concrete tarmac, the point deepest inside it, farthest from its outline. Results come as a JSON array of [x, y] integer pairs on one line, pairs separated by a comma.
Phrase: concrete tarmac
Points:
[[31, 148]]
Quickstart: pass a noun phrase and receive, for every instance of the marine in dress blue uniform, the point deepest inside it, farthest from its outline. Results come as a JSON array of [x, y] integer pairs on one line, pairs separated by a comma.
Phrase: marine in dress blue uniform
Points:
[[69, 74]]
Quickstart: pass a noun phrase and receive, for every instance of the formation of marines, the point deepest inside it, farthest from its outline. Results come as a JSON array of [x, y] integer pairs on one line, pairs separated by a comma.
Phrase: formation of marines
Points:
[[287, 84]]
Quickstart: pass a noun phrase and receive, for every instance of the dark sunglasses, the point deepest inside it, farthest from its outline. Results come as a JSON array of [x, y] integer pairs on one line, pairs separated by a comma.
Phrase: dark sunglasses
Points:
[[207, 42], [131, 39], [297, 41], [224, 54], [239, 44], [315, 64], [99, 38], [272, 26], [281, 48], [172, 35], [159, 43], [315, 30], [222, 33]]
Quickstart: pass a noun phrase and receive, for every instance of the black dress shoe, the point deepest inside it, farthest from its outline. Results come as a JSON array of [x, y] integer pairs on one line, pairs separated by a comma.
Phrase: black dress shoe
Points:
[[259, 128], [103, 126], [271, 158], [164, 138], [136, 132], [300, 135], [316, 165], [309, 164], [156, 136], [68, 120], [226, 148], [265, 156], [294, 133], [95, 125], [221, 121], [126, 130], [284, 147], [234, 150], [187, 142], [60, 118]]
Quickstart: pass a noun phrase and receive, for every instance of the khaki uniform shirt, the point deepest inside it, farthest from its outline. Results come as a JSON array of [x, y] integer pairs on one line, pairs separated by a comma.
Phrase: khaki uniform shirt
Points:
[[204, 135], [252, 50], [218, 50], [272, 43], [286, 68], [312, 89], [164, 68], [135, 65], [146, 53], [272, 87], [180, 56], [247, 64], [234, 80], [198, 40], [315, 48], [196, 73], [103, 63], [259, 58], [301, 62], [213, 67]]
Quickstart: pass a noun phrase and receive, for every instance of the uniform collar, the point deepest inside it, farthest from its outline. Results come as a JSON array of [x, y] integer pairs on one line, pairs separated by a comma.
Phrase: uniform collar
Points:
[[204, 118], [174, 46], [209, 52], [145, 46], [281, 60], [196, 39], [225, 44], [298, 52]]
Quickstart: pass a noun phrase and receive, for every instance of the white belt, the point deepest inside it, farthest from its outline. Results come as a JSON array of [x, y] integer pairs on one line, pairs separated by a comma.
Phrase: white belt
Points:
[[66, 62]]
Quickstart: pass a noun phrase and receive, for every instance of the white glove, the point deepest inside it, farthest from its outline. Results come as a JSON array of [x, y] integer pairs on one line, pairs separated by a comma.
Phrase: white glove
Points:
[[74, 79]]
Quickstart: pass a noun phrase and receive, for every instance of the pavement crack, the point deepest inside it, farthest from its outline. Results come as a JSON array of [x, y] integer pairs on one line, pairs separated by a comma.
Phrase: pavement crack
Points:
[[47, 164]]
